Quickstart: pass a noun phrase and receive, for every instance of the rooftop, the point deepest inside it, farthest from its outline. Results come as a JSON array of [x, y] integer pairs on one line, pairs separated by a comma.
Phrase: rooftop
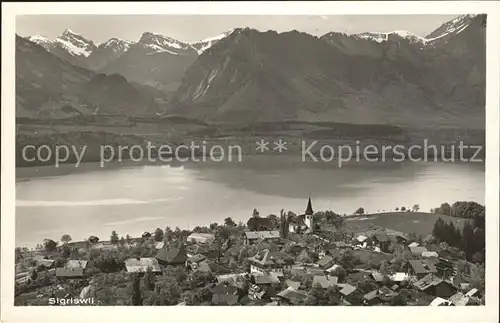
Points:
[[135, 265], [428, 281], [324, 281], [269, 258], [292, 295], [76, 264], [171, 254], [381, 237], [418, 250], [262, 234], [422, 266], [69, 272], [325, 261], [265, 279], [377, 276], [347, 289]]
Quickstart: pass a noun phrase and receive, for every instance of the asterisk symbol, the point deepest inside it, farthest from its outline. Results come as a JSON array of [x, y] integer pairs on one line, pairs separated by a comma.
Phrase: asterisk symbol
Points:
[[262, 145], [280, 145]]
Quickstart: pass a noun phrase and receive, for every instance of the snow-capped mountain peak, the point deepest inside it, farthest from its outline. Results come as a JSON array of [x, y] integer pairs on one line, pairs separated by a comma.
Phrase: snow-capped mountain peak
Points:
[[75, 44], [117, 45], [203, 45], [380, 37], [161, 42], [41, 40], [454, 26]]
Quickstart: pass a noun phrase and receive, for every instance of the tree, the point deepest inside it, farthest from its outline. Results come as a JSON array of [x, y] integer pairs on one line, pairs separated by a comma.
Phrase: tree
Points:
[[415, 208], [339, 272], [360, 211], [468, 243], [478, 258], [478, 277], [93, 239], [228, 222], [397, 209], [403, 209], [66, 238], [159, 234], [65, 251], [398, 300], [213, 226], [136, 290], [149, 279], [49, 245], [445, 209], [274, 220], [255, 213], [122, 241], [114, 237]]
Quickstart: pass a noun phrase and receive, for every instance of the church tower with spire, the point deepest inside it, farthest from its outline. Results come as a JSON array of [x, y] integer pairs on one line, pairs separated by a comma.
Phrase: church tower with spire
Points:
[[308, 216]]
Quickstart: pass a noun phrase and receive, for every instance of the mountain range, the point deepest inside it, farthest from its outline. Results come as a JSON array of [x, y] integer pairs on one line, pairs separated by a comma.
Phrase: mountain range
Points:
[[245, 75]]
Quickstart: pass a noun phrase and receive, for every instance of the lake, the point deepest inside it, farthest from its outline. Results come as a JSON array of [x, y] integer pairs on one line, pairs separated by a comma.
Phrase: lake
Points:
[[135, 198]]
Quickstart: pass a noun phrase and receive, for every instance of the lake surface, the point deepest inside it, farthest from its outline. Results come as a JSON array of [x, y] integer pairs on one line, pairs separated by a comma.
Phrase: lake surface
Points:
[[135, 198]]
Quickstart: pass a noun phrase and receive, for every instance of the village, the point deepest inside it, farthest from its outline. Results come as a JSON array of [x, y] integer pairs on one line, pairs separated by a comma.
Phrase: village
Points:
[[312, 258]]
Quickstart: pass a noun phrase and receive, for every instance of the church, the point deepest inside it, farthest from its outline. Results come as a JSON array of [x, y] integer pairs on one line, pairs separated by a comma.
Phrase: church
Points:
[[303, 223]]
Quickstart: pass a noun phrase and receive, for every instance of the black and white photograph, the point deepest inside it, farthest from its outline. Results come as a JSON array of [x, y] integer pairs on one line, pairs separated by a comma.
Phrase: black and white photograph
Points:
[[251, 160]]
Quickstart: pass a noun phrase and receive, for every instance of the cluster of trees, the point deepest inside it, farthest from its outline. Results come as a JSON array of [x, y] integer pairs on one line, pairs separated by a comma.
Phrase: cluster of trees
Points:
[[464, 209], [177, 286], [329, 217], [469, 239]]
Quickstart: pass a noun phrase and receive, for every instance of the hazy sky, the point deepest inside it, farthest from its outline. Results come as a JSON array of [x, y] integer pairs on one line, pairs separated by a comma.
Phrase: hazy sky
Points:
[[100, 28]]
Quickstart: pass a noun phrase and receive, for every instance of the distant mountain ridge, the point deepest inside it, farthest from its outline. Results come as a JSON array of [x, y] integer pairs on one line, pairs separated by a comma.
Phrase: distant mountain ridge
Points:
[[50, 87], [244, 75], [397, 78]]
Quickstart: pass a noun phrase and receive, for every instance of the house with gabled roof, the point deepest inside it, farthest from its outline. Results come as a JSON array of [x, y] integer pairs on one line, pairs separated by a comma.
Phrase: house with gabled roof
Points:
[[172, 256], [251, 237], [420, 268], [265, 279], [324, 281], [293, 284], [292, 296], [347, 289], [433, 285], [325, 262], [69, 273], [268, 261], [382, 241]]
